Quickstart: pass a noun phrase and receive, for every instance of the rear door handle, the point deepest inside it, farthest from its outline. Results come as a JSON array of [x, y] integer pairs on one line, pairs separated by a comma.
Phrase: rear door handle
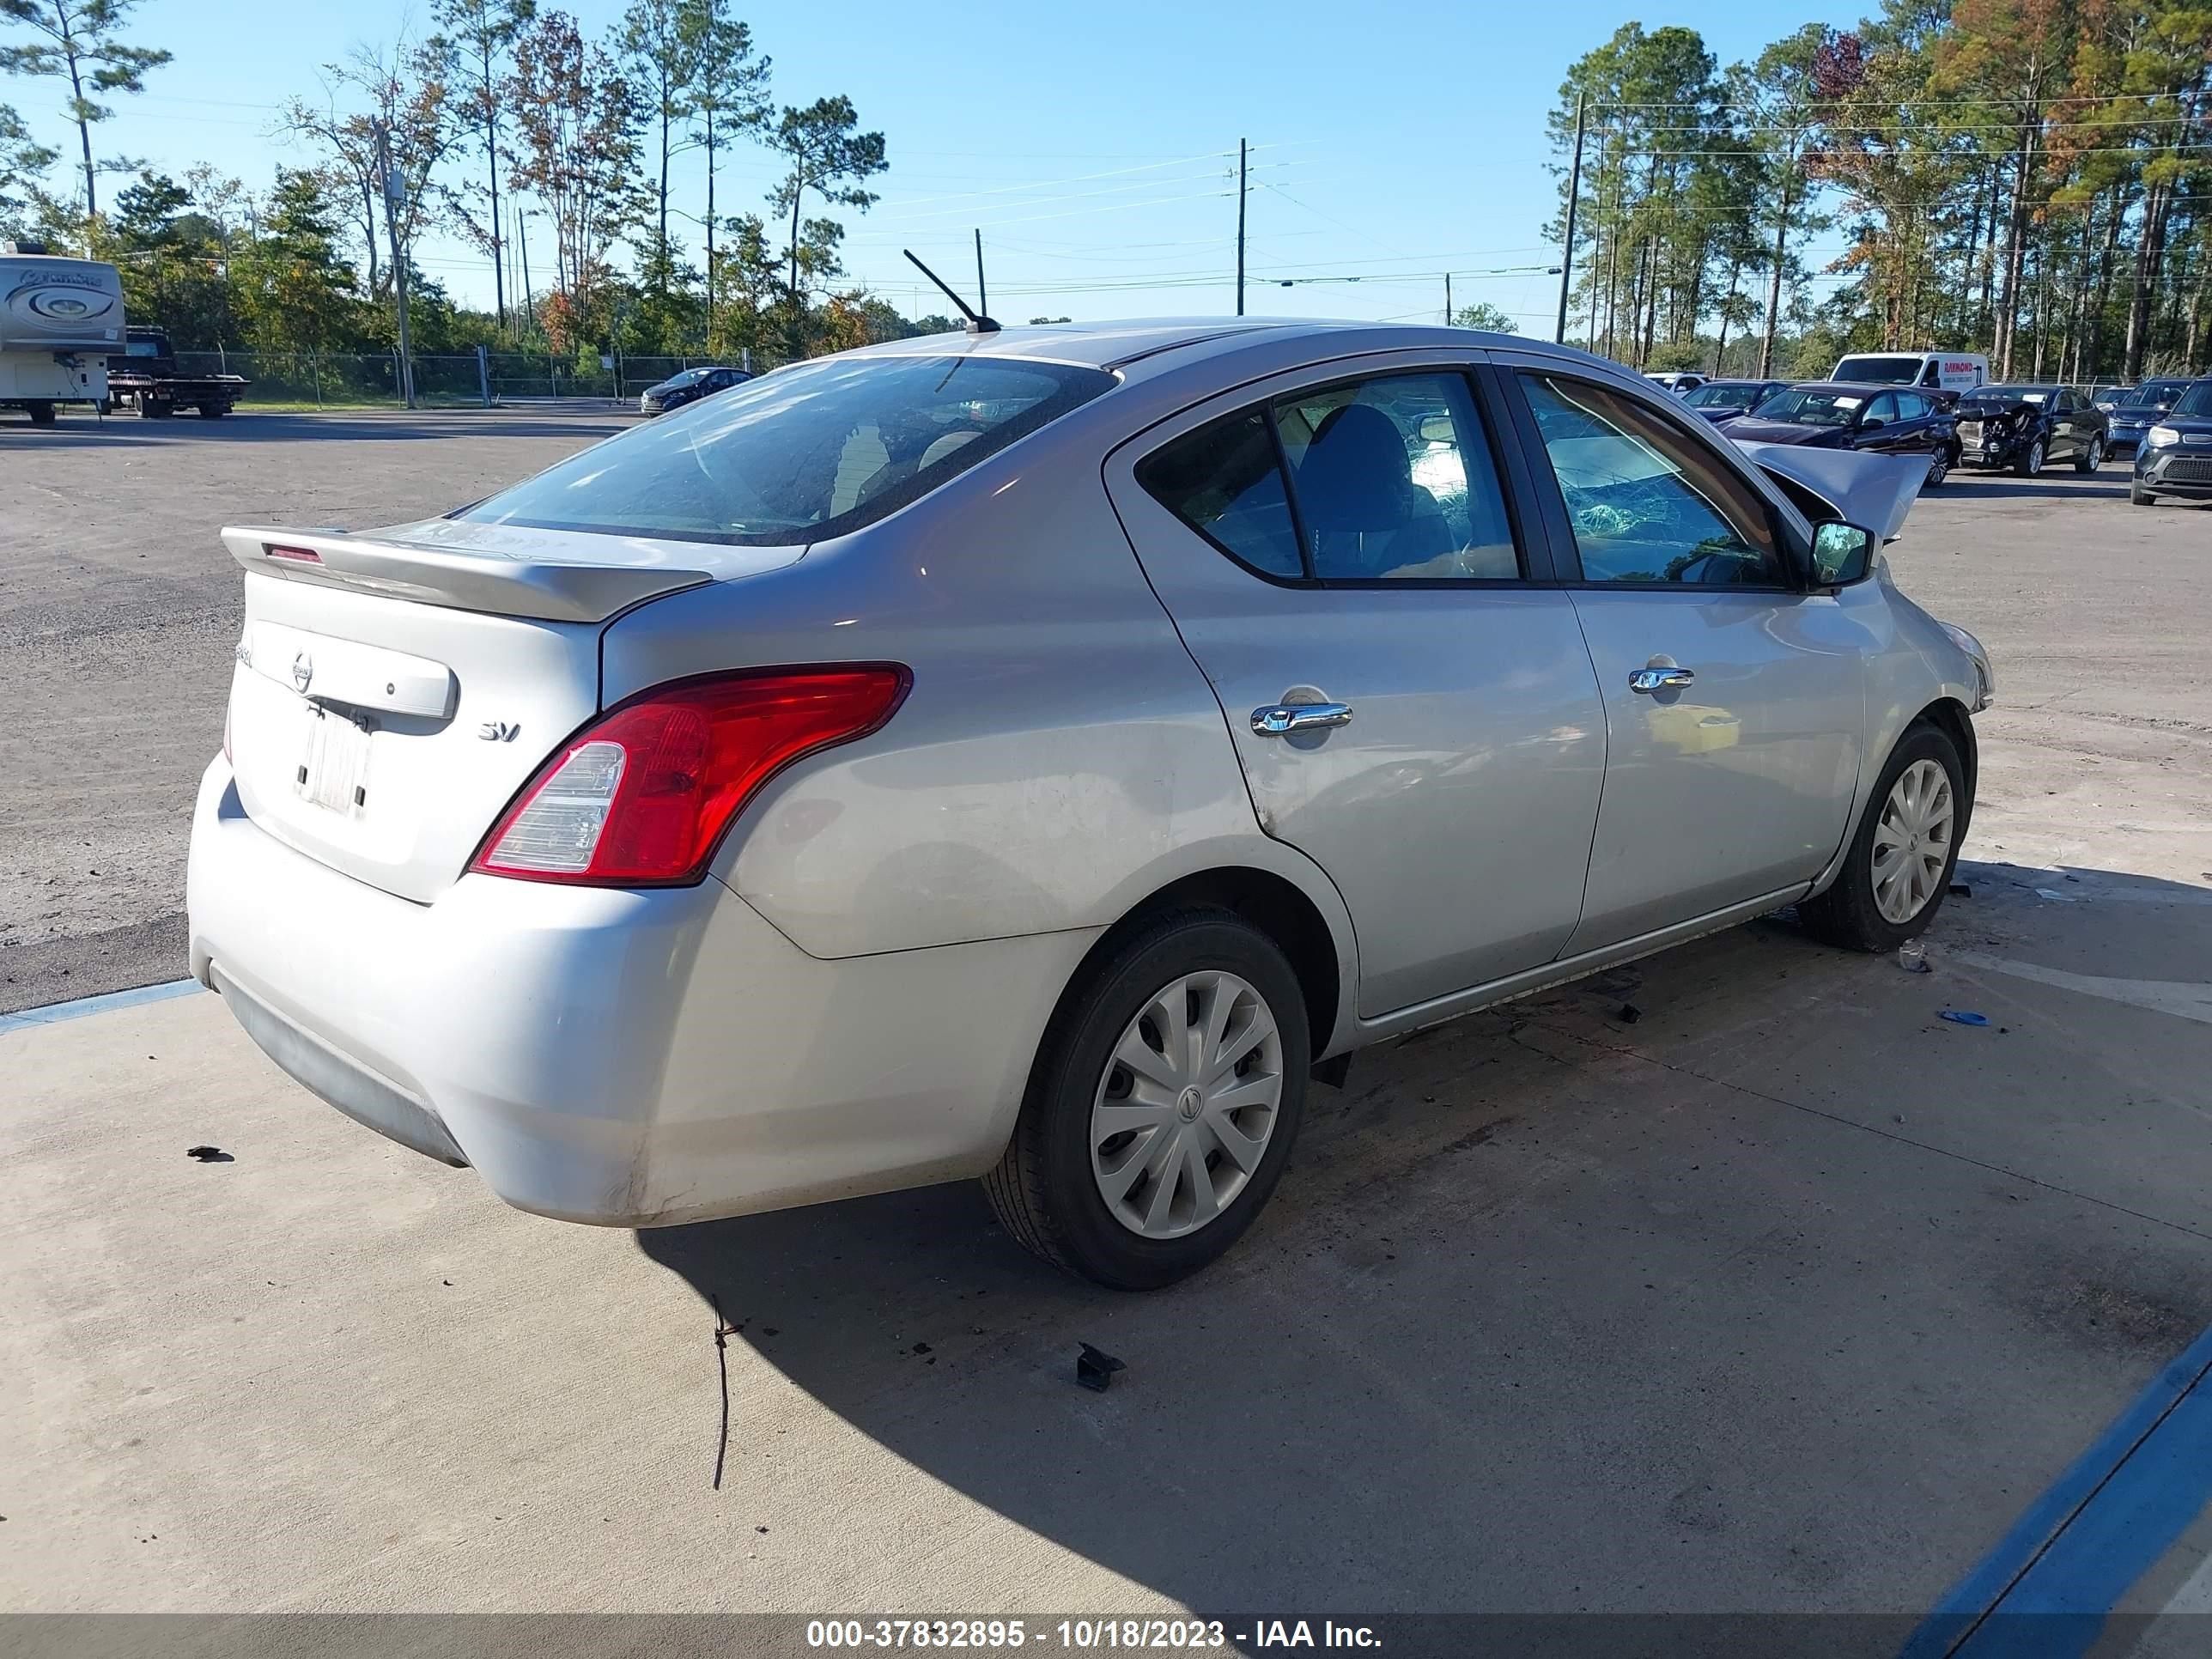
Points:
[[1277, 719], [1645, 681]]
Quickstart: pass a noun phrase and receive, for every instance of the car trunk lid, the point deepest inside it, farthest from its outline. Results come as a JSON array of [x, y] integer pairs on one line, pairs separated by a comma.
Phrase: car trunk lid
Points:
[[392, 691]]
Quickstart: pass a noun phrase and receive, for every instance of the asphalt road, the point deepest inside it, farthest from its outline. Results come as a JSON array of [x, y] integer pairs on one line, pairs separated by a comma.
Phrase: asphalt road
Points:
[[119, 610]]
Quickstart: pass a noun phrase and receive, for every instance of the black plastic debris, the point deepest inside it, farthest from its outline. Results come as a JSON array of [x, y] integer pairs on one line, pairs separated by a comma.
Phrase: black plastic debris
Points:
[[209, 1154], [1629, 1014], [921, 1347], [1094, 1369], [1962, 890]]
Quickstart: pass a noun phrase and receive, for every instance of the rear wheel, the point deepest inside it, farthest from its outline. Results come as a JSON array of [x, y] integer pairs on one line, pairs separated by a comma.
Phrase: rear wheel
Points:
[[1162, 1106], [1898, 867], [1939, 465], [42, 414], [210, 411], [2092, 457], [2030, 463]]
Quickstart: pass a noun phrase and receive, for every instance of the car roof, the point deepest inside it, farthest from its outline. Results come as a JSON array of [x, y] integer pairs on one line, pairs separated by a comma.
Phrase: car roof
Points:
[[1140, 348]]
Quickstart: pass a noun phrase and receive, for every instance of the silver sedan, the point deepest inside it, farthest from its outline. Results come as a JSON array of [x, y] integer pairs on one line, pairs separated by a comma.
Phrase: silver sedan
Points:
[[1037, 754]]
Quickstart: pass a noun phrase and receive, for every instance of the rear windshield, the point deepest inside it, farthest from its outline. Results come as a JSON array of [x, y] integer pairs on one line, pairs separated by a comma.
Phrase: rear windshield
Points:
[[803, 454], [1885, 371]]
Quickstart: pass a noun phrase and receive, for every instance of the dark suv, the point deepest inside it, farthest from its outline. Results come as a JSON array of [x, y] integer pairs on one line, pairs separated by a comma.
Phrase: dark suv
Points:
[[2145, 404], [2023, 427], [2175, 456]]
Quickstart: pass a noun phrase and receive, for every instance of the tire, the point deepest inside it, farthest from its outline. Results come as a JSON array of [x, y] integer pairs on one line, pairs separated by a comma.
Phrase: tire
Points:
[[2092, 457], [1850, 913], [1049, 1188], [153, 408], [214, 412], [1939, 466], [2138, 496], [42, 414], [2030, 463]]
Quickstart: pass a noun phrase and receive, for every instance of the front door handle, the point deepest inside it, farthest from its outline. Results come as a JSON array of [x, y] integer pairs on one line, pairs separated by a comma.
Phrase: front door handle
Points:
[[1645, 681], [1277, 719]]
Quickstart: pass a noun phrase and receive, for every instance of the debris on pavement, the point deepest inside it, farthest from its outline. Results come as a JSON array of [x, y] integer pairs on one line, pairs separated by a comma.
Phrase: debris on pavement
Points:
[[1912, 957], [209, 1154], [1094, 1370], [2054, 895], [1962, 890], [1965, 1017], [1629, 1014]]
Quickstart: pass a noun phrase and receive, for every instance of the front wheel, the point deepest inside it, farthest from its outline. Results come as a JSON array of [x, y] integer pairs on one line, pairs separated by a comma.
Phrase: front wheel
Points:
[[1162, 1106], [2030, 463], [2138, 496], [2092, 458], [42, 414], [1900, 864]]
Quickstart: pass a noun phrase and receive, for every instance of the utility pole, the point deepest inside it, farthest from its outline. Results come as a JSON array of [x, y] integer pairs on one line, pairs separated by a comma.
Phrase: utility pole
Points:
[[1574, 201], [395, 197], [1448, 304], [982, 300], [1244, 170], [522, 248]]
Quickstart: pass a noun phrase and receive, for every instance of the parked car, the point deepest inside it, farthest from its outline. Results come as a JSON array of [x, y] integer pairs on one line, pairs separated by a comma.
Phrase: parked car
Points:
[[1677, 382], [2175, 456], [2023, 427], [1939, 371], [689, 387], [2109, 397], [1718, 400], [2145, 407], [1035, 754], [1828, 414]]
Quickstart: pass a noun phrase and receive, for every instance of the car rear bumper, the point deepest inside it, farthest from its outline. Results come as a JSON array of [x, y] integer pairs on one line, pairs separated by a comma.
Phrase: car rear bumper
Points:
[[618, 1057]]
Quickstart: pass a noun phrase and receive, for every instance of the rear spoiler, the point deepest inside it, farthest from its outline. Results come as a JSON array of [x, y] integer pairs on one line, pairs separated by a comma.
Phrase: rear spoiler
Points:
[[1874, 492], [508, 581]]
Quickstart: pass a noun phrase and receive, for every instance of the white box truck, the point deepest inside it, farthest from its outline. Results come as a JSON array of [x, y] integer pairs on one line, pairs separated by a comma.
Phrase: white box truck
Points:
[[60, 318]]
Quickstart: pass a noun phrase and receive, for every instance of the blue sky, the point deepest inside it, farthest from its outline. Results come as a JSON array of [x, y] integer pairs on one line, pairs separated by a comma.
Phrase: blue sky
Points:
[[1094, 146]]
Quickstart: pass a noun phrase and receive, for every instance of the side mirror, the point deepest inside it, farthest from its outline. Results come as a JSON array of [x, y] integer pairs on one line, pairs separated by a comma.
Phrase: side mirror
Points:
[[1842, 554], [1872, 425]]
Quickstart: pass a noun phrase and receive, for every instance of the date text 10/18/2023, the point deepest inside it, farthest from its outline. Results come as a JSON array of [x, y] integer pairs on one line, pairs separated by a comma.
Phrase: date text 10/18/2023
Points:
[[1086, 1635]]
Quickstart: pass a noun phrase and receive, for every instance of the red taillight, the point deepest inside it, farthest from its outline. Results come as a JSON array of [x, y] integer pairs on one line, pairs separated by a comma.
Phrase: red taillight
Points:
[[641, 796], [296, 555]]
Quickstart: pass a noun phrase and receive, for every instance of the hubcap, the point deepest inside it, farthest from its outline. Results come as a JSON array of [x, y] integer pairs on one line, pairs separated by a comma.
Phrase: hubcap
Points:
[[1913, 841], [1183, 1115]]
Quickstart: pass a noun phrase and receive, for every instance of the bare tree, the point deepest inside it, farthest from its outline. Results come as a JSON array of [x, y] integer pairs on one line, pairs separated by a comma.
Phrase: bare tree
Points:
[[483, 33]]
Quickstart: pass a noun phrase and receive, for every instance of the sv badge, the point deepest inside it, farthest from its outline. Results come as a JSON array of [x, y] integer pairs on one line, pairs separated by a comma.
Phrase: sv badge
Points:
[[498, 731]]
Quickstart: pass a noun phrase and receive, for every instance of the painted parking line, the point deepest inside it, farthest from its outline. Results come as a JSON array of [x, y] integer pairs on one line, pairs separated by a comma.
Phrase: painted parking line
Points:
[[55, 1012], [2045, 1591]]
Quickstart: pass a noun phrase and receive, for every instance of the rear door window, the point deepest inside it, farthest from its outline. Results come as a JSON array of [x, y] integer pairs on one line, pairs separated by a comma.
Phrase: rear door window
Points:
[[803, 454], [1225, 482], [1395, 481]]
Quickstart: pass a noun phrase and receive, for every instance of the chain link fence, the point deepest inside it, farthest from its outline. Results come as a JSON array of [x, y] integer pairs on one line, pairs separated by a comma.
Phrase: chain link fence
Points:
[[327, 380]]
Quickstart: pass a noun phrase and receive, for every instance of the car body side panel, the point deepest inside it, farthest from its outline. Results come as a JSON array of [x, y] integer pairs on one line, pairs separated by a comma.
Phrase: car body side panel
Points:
[[1060, 754]]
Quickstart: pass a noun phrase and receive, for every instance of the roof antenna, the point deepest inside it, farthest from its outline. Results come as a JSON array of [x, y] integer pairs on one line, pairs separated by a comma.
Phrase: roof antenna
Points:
[[976, 324]]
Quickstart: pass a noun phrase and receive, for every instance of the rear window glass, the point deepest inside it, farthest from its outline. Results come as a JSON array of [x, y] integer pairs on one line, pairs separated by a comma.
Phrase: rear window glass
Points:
[[1223, 482], [804, 454]]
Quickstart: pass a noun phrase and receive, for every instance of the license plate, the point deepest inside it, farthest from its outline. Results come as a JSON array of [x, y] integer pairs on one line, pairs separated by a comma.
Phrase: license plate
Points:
[[333, 769]]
